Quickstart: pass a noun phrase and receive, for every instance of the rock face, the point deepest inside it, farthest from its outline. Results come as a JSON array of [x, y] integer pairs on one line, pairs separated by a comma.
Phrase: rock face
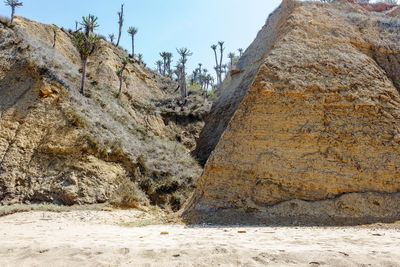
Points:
[[310, 127], [59, 146]]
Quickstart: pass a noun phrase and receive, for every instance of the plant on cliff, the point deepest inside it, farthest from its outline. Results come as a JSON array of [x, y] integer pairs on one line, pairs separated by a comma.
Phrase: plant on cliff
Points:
[[140, 59], [86, 43], [111, 37], [159, 64], [231, 57], [164, 56], [166, 64], [120, 73], [181, 71], [169, 62], [214, 48], [240, 50], [218, 61], [120, 23], [13, 4], [132, 32], [89, 24], [4, 20]]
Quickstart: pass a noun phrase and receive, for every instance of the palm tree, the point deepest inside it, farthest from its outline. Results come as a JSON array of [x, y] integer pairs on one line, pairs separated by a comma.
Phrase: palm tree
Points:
[[231, 56], [111, 37], [224, 69], [132, 32], [120, 73], [169, 62], [214, 48], [159, 64], [203, 79], [86, 45], [184, 53], [120, 23], [13, 4], [221, 50], [164, 56], [89, 24], [194, 76], [240, 52]]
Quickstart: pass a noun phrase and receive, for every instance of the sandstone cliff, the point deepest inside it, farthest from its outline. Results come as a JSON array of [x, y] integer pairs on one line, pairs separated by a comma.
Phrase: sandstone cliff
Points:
[[309, 128], [61, 147]]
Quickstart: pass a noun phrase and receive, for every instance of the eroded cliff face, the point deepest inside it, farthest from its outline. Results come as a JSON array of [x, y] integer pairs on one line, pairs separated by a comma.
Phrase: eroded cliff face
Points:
[[235, 88], [316, 135], [59, 146]]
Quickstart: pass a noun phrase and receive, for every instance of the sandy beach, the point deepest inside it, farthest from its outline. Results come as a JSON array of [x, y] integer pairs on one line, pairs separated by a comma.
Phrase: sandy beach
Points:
[[123, 238]]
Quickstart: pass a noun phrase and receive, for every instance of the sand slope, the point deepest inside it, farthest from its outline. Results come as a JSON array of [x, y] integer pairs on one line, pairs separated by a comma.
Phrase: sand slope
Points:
[[96, 238]]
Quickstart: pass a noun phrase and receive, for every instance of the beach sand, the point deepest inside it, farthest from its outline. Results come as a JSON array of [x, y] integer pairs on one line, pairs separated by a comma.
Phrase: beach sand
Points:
[[127, 238]]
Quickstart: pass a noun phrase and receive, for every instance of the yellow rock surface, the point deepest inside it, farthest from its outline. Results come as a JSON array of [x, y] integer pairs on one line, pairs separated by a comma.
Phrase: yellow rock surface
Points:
[[319, 118]]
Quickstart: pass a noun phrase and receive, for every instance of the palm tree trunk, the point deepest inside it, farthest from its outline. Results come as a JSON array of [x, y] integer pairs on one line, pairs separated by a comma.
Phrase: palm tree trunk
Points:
[[165, 66], [216, 66], [84, 63], [183, 90], [183, 85], [119, 34], [133, 47], [220, 66], [12, 14]]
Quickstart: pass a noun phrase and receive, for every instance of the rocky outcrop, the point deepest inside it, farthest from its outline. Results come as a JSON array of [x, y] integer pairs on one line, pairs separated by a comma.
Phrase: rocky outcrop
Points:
[[59, 146], [309, 130]]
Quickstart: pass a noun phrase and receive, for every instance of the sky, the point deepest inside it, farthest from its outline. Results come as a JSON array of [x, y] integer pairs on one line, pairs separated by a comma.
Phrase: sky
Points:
[[164, 25]]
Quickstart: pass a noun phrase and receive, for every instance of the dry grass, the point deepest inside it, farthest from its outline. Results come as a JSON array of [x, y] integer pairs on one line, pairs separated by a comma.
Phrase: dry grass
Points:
[[18, 208], [5, 21]]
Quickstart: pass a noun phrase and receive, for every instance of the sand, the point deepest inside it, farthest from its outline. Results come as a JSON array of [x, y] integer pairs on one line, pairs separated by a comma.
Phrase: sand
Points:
[[102, 238]]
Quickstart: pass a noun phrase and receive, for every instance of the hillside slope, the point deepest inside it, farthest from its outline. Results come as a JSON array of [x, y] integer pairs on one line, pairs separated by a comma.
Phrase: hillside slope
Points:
[[61, 147], [309, 129]]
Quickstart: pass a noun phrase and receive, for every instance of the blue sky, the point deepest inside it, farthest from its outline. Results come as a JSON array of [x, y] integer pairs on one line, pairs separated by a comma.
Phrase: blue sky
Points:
[[164, 25]]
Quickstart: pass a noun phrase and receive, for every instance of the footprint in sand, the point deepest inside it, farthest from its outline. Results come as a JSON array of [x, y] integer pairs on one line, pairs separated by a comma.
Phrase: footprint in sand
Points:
[[124, 251]]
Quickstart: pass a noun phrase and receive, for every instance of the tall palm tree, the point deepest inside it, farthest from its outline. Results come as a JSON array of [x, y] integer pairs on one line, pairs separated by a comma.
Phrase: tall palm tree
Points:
[[164, 56], [169, 62], [159, 64], [132, 32], [203, 79], [231, 56], [86, 45], [13, 4], [89, 24], [224, 70], [120, 23], [221, 50], [184, 53], [214, 48]]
